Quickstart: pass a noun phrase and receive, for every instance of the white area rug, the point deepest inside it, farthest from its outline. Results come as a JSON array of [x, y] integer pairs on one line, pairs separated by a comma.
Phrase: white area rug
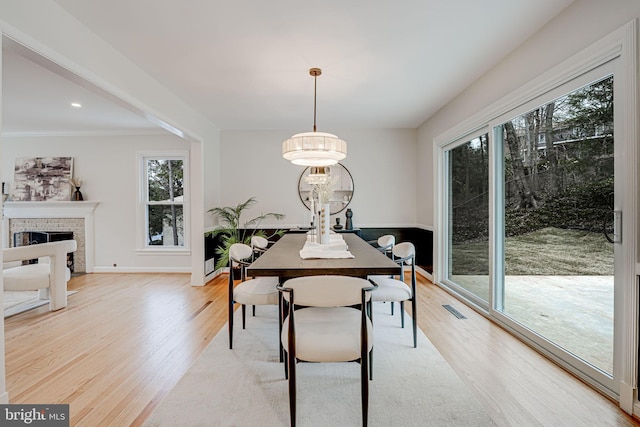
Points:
[[246, 386], [16, 302]]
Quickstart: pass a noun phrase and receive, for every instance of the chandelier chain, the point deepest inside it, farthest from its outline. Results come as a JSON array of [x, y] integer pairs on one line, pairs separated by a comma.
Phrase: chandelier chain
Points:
[[315, 90]]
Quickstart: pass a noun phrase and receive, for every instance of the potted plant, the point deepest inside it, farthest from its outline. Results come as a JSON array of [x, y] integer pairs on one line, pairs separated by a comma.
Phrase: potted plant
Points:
[[230, 229]]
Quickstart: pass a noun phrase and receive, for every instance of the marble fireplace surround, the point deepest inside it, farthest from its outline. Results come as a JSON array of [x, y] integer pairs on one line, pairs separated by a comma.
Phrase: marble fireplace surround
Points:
[[73, 216]]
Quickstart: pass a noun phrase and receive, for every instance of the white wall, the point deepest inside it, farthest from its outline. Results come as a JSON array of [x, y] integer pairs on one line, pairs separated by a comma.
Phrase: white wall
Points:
[[107, 166], [382, 163], [581, 24], [50, 31]]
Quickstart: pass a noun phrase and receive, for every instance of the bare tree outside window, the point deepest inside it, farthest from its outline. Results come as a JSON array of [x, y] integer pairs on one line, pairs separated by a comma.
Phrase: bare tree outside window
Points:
[[165, 199], [559, 162]]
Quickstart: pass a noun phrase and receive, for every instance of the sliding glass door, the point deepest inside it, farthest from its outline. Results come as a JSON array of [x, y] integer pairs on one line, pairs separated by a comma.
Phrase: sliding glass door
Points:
[[528, 218], [557, 197]]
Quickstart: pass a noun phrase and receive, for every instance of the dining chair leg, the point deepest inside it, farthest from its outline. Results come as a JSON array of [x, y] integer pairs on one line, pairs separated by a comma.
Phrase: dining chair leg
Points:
[[253, 310], [365, 391], [392, 308], [280, 316], [244, 314], [402, 312], [230, 325], [286, 365], [292, 389], [370, 305], [415, 322]]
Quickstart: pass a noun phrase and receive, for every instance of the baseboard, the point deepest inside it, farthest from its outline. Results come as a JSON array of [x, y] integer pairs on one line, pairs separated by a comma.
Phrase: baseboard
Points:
[[142, 270], [209, 277], [424, 273]]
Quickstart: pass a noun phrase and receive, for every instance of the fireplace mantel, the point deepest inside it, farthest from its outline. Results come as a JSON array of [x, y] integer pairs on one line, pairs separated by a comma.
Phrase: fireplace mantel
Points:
[[49, 209], [61, 210]]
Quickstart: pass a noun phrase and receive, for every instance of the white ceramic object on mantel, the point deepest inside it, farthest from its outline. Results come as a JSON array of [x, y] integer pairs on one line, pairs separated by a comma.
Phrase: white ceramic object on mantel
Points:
[[325, 214]]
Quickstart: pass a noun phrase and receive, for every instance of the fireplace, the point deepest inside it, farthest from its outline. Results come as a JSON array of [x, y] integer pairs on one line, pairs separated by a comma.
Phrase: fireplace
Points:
[[25, 238], [74, 217]]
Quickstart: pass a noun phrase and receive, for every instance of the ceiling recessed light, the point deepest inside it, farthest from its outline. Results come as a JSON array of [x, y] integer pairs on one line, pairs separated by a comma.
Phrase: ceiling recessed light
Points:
[[76, 105]]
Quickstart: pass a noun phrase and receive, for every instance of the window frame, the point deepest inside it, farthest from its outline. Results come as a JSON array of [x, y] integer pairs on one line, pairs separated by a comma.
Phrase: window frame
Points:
[[142, 220]]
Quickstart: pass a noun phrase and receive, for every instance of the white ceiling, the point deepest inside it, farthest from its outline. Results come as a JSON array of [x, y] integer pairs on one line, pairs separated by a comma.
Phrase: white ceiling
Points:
[[37, 96], [244, 64]]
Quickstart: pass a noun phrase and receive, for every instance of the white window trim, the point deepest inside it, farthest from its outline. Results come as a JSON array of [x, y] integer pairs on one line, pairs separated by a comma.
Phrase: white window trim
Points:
[[141, 233]]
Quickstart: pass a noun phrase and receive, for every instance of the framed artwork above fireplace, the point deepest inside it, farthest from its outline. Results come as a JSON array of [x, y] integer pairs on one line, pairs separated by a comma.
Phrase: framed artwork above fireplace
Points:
[[42, 179]]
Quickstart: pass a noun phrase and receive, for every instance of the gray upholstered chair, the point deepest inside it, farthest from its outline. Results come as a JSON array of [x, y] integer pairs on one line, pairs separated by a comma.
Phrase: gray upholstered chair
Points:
[[396, 290], [256, 291], [327, 321]]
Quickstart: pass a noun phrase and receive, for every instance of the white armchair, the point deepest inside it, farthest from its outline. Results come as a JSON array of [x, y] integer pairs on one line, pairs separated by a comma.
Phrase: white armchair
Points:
[[51, 276]]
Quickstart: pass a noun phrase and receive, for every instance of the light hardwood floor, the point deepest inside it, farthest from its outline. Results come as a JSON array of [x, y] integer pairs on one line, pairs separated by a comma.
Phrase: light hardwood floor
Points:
[[126, 339]]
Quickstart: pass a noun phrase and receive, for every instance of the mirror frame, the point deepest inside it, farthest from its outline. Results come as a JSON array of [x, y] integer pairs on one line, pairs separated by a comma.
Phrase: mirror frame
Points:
[[304, 189]]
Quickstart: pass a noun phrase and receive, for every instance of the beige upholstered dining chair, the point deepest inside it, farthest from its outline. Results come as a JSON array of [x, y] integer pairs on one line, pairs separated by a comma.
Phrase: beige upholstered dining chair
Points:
[[327, 321], [384, 243], [259, 245], [393, 290], [255, 291]]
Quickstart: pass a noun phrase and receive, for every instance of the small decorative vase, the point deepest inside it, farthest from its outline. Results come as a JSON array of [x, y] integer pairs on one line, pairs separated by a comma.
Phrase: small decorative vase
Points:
[[337, 226], [324, 224], [349, 215], [77, 195]]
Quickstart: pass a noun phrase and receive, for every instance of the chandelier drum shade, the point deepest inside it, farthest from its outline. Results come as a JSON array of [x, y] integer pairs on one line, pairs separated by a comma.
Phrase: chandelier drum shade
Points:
[[314, 148]]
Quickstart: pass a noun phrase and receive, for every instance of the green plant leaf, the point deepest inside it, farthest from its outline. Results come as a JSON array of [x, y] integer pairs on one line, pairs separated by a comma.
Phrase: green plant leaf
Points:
[[232, 230]]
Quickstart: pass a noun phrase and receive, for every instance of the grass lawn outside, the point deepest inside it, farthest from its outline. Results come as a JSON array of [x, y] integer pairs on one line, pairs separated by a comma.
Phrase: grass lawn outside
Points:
[[545, 252]]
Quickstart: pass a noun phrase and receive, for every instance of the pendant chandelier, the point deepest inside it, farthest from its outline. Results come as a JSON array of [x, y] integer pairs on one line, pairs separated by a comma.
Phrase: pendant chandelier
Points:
[[314, 148], [318, 175]]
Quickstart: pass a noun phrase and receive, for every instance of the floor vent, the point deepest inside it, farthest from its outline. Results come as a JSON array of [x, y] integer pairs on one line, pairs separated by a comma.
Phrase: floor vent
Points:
[[454, 311]]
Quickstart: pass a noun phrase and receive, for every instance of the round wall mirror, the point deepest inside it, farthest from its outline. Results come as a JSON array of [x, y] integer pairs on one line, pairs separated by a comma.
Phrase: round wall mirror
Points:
[[342, 191]]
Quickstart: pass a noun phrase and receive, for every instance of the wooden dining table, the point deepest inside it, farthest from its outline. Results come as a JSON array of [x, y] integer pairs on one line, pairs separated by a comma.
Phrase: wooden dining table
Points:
[[283, 260]]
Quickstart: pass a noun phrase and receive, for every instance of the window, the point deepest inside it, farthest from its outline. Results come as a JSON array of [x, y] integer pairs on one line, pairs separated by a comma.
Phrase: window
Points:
[[163, 199]]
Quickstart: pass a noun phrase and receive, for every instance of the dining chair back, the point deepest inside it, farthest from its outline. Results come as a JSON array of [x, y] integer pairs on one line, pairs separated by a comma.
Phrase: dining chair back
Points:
[[326, 321], [255, 291], [259, 245], [386, 243], [393, 290]]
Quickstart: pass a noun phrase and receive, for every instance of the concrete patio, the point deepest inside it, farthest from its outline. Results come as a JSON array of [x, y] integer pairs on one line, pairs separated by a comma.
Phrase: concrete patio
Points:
[[575, 312]]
